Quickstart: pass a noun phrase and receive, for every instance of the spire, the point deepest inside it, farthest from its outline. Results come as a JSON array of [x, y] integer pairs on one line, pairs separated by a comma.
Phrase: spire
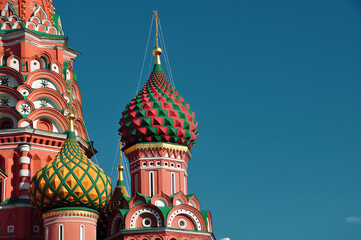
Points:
[[157, 51], [120, 183]]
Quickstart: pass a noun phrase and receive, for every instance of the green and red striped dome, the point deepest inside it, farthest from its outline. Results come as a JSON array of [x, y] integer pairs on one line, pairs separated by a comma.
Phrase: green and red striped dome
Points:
[[158, 114]]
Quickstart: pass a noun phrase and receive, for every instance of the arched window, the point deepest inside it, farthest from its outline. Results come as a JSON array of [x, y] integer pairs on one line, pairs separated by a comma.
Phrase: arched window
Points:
[[173, 183], [6, 125], [4, 60], [151, 184], [44, 61], [61, 232], [82, 232]]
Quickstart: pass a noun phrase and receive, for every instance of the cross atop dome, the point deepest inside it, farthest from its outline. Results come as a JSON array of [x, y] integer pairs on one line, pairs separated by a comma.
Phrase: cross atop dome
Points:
[[36, 15]]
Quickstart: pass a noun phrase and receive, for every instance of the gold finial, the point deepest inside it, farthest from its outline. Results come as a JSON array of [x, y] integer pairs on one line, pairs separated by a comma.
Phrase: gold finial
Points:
[[120, 167], [71, 118], [157, 51]]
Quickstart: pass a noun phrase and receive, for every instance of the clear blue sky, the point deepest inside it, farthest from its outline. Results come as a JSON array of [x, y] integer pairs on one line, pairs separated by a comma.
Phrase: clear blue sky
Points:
[[276, 88]]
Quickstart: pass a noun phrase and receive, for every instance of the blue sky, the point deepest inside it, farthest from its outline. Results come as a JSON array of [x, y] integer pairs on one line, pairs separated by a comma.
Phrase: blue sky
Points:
[[276, 88]]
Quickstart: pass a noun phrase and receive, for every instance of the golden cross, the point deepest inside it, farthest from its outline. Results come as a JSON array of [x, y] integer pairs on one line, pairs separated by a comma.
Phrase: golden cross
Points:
[[156, 24]]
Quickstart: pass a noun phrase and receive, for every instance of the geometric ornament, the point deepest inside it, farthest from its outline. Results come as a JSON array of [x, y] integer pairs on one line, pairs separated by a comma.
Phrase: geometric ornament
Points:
[[70, 180], [158, 114]]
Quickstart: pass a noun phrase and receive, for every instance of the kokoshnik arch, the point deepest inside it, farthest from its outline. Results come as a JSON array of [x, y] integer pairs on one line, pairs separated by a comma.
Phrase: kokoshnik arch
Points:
[[49, 187]]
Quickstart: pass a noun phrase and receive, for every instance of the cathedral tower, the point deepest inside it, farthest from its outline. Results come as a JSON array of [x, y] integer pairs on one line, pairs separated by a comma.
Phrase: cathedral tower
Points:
[[38, 89], [158, 129]]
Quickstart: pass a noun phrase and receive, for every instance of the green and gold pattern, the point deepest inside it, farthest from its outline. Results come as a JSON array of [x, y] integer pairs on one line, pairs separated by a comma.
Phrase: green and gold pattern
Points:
[[70, 180]]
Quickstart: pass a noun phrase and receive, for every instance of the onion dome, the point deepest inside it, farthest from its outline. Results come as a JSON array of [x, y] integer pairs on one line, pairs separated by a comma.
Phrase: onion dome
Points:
[[70, 180], [158, 113]]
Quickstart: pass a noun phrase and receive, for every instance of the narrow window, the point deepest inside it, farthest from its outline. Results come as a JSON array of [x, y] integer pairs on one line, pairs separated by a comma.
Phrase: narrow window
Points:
[[136, 183], [82, 232], [151, 184], [1, 191], [173, 182], [61, 232], [47, 234]]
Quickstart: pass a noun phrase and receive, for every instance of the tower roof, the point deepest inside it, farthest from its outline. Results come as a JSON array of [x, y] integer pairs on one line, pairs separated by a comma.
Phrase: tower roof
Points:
[[70, 180], [158, 114], [37, 15]]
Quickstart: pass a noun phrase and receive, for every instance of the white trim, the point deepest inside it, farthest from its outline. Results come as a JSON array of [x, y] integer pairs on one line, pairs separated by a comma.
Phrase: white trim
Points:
[[138, 213], [24, 197], [160, 158], [189, 214], [24, 148], [161, 230], [82, 232], [61, 232], [24, 185], [24, 160], [16, 205], [172, 183], [157, 168], [70, 221], [151, 184], [24, 173]]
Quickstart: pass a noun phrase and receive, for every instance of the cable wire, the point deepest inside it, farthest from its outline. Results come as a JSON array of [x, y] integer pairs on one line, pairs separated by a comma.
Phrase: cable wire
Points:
[[145, 55]]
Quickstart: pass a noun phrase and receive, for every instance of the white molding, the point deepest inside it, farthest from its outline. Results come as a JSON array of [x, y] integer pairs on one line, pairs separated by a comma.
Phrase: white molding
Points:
[[16, 205], [24, 197], [159, 230], [24, 173], [24, 160], [24, 185], [156, 168]]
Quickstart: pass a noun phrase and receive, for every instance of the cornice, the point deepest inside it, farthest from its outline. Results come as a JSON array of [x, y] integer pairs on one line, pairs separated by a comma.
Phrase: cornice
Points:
[[160, 145]]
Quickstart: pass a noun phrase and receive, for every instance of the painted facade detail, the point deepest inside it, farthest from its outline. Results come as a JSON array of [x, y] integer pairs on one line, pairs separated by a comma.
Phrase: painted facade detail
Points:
[[49, 187]]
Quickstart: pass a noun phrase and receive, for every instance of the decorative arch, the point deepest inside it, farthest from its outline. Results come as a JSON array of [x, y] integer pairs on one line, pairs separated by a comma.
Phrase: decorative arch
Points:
[[76, 90], [40, 13], [25, 123], [6, 123], [136, 199], [44, 73], [162, 197], [10, 91], [25, 107], [24, 90], [34, 63], [180, 197], [51, 114], [194, 202], [56, 67], [14, 62], [80, 128], [8, 10], [9, 112], [136, 215], [69, 74], [209, 222], [18, 25], [189, 214], [48, 93], [12, 73], [77, 107]]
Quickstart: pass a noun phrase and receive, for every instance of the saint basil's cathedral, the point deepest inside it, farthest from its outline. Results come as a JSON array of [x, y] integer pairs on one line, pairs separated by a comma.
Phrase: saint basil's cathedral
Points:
[[49, 187]]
